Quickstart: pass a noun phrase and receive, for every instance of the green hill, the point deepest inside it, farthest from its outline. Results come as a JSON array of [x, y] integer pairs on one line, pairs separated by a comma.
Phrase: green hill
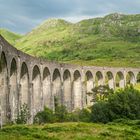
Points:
[[10, 36], [113, 40]]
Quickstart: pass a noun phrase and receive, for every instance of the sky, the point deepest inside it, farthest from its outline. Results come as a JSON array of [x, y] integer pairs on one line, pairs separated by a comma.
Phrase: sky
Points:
[[22, 16]]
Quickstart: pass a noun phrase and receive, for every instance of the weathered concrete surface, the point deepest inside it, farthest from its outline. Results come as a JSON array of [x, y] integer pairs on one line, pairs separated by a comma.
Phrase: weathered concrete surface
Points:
[[39, 83]]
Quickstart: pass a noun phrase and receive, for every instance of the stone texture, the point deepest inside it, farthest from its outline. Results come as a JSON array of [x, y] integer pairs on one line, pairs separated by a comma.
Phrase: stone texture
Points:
[[38, 83]]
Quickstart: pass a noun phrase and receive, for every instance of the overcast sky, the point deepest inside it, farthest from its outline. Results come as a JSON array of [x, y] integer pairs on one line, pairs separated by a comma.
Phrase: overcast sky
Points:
[[22, 15]]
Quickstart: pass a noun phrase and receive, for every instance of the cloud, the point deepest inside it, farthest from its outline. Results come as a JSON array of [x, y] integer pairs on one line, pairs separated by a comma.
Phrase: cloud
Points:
[[22, 15]]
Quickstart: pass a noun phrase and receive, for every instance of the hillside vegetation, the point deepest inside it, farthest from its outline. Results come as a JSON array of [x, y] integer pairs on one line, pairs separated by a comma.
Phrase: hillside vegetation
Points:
[[113, 40], [10, 36]]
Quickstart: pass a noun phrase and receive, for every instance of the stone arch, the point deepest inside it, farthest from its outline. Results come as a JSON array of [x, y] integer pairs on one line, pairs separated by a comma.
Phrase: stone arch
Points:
[[3, 88], [57, 91], [46, 87], [13, 97], [36, 90], [138, 78], [110, 80], [67, 89], [130, 78], [120, 82], [99, 78], [24, 84], [77, 90], [89, 87]]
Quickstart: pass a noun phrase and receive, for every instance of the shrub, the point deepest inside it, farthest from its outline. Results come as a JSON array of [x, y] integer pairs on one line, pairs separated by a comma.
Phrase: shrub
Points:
[[61, 113], [125, 104], [122, 104], [100, 112], [83, 115], [23, 115], [44, 116]]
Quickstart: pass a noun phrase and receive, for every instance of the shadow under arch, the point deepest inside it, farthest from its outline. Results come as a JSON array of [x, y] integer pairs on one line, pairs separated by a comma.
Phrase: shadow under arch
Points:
[[138, 78], [99, 78], [46, 87], [36, 90], [109, 80], [119, 80], [24, 85], [130, 78], [56, 89], [13, 97], [4, 102], [89, 87], [67, 89], [77, 90]]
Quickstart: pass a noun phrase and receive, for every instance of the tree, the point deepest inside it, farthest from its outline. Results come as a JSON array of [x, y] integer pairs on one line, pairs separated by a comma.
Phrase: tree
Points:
[[100, 92]]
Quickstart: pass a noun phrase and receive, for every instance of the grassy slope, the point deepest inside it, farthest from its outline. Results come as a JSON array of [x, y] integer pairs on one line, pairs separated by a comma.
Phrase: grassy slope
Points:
[[110, 41], [10, 36], [127, 130]]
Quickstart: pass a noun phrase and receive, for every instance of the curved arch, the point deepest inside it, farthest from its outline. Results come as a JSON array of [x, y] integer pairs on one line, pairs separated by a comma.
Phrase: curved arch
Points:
[[36, 89], [56, 75], [130, 78], [138, 77], [120, 82], [67, 89], [110, 79], [89, 87], [89, 76], [35, 72], [99, 78], [77, 90], [46, 87], [77, 75], [24, 84], [13, 97], [57, 91], [3, 87], [67, 75]]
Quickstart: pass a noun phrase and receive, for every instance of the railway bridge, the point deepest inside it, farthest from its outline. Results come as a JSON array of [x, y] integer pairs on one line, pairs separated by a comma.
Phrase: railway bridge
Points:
[[38, 83]]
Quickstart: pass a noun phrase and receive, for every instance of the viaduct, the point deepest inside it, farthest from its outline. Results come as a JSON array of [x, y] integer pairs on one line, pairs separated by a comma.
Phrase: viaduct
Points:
[[37, 82]]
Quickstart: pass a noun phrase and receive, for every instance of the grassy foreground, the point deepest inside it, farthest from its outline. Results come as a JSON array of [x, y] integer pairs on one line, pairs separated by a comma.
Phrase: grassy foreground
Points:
[[121, 130]]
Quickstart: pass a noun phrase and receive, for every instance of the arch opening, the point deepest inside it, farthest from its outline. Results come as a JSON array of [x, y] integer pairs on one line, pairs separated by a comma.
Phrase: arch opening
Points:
[[57, 91], [120, 82], [138, 78], [130, 78], [67, 90], [110, 80], [99, 79], [77, 90], [46, 88], [3, 88], [36, 90], [24, 85], [89, 87], [13, 97]]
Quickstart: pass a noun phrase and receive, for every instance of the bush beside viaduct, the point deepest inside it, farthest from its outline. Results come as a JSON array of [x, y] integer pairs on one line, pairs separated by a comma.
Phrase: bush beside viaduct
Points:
[[38, 82]]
